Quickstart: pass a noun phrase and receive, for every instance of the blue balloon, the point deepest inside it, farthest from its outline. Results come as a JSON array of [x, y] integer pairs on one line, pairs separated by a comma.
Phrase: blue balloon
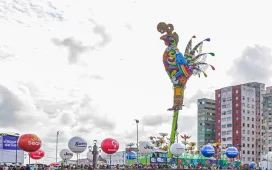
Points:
[[252, 165], [208, 151], [232, 152], [131, 155]]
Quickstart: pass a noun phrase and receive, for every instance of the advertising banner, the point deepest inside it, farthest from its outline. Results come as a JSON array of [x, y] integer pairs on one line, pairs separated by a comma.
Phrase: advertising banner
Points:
[[157, 160], [9, 143], [8, 150]]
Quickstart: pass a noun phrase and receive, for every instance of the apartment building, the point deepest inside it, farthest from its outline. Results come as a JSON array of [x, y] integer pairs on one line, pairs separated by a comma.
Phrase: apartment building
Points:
[[205, 122], [267, 122], [237, 120]]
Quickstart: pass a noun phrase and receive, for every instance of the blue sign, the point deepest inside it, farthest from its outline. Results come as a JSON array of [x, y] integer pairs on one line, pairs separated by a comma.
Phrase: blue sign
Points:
[[157, 160], [131, 155], [208, 151], [252, 165], [232, 152], [9, 143]]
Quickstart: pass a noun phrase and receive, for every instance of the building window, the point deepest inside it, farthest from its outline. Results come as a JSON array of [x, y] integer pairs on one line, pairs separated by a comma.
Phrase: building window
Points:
[[237, 104], [237, 91], [218, 121], [236, 98], [237, 118], [218, 95], [252, 119], [218, 133], [237, 131], [244, 111], [236, 111]]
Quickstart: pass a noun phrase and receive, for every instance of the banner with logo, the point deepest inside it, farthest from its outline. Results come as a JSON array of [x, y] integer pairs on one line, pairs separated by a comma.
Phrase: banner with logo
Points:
[[9, 143], [8, 150], [158, 160]]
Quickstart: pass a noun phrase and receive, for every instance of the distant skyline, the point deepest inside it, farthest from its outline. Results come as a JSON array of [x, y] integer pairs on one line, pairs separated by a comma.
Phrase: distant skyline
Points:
[[89, 68]]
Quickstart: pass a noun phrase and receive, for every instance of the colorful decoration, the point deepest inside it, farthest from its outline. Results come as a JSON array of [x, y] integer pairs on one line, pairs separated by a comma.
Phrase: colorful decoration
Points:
[[208, 151], [39, 154], [181, 67], [29, 142], [109, 146], [185, 137], [232, 152]]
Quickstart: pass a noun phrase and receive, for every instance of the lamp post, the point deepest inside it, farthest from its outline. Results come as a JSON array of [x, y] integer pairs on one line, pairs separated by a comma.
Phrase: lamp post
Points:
[[94, 154], [57, 141], [137, 122], [16, 136]]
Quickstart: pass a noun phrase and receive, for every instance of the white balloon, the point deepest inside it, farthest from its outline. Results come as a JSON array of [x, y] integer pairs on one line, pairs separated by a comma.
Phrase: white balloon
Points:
[[77, 144], [269, 156], [66, 154], [145, 148], [177, 149]]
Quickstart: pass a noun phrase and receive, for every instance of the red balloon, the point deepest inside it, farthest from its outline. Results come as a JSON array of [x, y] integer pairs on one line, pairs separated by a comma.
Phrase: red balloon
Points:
[[109, 146], [29, 142], [37, 154]]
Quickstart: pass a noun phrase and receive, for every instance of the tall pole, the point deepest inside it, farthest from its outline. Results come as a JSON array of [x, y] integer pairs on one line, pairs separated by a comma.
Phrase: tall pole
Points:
[[137, 122], [94, 154], [16, 151], [57, 141]]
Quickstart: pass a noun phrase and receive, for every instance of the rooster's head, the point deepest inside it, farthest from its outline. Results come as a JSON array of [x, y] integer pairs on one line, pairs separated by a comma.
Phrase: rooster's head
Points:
[[170, 37], [168, 40]]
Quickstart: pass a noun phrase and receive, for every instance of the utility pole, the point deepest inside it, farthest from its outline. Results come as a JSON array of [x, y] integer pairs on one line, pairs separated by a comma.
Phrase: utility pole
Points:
[[137, 122], [57, 141]]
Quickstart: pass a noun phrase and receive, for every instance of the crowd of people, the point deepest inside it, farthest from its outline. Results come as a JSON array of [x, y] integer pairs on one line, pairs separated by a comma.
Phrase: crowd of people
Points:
[[122, 167]]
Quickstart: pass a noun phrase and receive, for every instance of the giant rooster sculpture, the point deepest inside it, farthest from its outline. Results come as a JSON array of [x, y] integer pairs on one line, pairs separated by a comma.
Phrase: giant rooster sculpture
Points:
[[181, 67]]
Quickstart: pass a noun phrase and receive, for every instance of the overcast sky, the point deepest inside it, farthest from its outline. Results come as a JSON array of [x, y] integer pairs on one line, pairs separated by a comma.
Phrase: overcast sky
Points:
[[89, 68]]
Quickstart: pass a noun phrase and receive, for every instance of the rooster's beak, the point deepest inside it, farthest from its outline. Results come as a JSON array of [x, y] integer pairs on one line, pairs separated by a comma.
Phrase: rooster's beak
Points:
[[163, 37]]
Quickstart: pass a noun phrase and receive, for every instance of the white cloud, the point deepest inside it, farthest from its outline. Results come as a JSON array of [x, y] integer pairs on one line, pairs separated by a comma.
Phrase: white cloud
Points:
[[117, 73]]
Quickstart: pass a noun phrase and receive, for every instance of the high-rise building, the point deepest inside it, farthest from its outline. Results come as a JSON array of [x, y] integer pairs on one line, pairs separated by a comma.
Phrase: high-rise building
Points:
[[259, 91], [238, 112], [267, 121], [205, 122]]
